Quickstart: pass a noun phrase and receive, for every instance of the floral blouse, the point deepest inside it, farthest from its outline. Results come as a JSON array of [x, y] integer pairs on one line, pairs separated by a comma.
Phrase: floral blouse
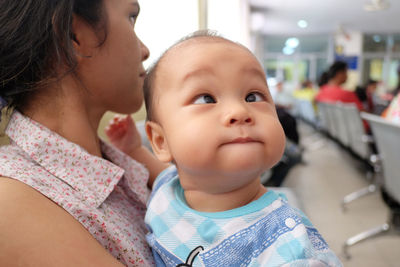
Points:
[[108, 199]]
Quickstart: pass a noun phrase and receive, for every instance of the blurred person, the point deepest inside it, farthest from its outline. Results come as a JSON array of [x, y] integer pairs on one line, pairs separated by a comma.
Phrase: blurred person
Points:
[[281, 97], [284, 103], [367, 95], [332, 91], [306, 91], [397, 88], [323, 79]]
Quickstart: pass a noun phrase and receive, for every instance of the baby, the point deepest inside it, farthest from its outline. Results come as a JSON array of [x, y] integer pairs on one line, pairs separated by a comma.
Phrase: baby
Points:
[[210, 113]]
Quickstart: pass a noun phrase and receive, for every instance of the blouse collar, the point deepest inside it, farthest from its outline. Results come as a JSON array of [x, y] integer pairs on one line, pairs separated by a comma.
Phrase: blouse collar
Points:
[[94, 178]]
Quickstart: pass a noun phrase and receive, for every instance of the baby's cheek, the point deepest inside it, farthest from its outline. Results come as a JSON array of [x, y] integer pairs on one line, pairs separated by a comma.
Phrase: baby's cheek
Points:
[[276, 143], [281, 140]]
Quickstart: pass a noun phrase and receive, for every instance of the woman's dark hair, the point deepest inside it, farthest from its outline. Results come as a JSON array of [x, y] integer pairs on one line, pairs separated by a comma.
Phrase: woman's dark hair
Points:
[[336, 67], [323, 79], [36, 38], [361, 93]]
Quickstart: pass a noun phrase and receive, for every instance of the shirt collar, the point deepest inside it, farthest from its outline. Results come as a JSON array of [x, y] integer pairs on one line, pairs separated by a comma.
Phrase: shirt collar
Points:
[[93, 178]]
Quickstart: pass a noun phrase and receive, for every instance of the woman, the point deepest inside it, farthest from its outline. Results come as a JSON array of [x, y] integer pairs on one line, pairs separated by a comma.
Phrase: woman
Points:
[[66, 198], [332, 91]]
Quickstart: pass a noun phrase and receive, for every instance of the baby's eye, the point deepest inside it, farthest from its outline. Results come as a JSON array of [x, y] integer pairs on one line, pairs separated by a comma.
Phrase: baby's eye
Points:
[[255, 97], [204, 99]]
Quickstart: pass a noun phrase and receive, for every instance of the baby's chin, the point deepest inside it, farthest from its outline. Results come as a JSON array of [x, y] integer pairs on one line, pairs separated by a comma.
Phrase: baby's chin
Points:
[[246, 164]]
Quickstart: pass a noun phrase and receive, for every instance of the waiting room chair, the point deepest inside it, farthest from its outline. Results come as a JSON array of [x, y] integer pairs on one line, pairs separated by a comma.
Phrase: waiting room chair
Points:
[[340, 118], [360, 144], [305, 110], [333, 124], [359, 139], [386, 136], [323, 117]]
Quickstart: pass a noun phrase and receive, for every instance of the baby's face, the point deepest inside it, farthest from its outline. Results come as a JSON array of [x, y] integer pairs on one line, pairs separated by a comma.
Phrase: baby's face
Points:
[[216, 112]]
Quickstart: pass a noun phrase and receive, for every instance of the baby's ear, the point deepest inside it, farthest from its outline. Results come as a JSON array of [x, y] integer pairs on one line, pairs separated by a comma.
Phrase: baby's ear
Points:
[[158, 142]]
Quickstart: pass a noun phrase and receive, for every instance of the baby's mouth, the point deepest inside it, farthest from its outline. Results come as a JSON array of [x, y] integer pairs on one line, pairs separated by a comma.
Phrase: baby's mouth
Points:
[[242, 140]]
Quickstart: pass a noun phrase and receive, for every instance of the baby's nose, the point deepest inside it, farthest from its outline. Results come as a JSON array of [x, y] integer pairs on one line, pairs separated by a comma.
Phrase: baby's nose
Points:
[[238, 114]]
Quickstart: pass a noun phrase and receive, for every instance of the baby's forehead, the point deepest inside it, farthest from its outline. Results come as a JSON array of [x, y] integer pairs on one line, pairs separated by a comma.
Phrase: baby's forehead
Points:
[[183, 52], [198, 54], [202, 42]]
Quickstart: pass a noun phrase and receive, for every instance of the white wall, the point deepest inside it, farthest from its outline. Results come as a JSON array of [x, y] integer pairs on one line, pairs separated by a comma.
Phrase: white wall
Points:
[[351, 45], [161, 23], [231, 18]]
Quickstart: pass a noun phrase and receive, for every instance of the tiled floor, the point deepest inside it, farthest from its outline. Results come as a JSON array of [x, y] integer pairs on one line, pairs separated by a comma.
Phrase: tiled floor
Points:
[[328, 175]]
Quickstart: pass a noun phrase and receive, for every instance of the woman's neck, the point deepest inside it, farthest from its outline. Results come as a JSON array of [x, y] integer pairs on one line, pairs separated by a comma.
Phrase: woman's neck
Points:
[[66, 113], [335, 82], [215, 202]]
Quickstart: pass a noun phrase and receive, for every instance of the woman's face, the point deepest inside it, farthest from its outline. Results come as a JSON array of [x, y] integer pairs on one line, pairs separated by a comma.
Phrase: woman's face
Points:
[[114, 73]]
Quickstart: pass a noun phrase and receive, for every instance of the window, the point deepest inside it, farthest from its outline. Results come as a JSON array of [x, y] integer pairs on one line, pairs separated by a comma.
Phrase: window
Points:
[[295, 59], [381, 59], [375, 43]]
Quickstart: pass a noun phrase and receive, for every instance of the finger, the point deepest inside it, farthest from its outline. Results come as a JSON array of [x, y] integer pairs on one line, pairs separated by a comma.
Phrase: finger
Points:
[[115, 134], [116, 121], [112, 128], [129, 119]]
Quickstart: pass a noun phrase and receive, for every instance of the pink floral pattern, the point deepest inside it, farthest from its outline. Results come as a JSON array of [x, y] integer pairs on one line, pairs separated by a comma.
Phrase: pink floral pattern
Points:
[[393, 112], [108, 200]]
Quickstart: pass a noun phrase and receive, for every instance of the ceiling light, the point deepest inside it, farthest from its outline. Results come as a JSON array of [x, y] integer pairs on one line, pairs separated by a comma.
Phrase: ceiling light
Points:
[[288, 50], [292, 42], [376, 38], [302, 23], [376, 5]]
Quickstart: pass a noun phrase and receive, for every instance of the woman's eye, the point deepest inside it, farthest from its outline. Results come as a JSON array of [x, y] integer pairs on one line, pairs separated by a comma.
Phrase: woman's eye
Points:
[[204, 99], [133, 18], [255, 97]]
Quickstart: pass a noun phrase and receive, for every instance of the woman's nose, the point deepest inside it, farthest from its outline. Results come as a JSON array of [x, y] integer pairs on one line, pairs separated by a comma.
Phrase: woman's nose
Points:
[[145, 51]]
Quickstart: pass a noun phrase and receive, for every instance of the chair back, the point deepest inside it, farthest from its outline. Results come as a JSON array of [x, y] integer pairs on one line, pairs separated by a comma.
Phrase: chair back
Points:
[[306, 111], [323, 116], [387, 139], [333, 124], [341, 123], [356, 129]]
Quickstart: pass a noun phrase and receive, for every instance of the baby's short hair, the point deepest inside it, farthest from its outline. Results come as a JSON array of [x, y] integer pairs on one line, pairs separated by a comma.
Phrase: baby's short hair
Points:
[[148, 87]]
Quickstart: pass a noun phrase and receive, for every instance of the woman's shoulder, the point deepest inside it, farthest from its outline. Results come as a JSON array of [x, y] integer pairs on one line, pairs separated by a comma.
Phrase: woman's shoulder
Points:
[[18, 165], [20, 208], [31, 225]]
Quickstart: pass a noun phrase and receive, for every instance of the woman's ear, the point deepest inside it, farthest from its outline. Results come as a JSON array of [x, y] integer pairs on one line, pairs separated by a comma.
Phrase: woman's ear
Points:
[[158, 142], [83, 38]]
